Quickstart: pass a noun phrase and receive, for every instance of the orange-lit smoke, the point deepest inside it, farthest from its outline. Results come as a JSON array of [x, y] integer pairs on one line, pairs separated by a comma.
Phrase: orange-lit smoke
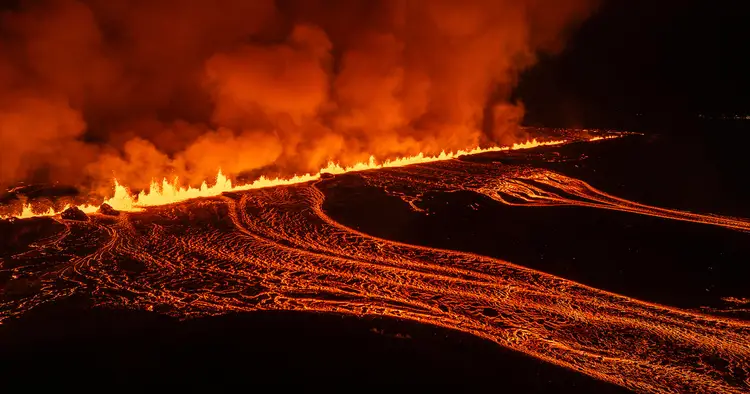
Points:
[[143, 89]]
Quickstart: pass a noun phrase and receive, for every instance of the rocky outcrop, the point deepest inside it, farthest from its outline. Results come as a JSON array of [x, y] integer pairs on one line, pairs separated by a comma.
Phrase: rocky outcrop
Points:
[[107, 209], [74, 213]]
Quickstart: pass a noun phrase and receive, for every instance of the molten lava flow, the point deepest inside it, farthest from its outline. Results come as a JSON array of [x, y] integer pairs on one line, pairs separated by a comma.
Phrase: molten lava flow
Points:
[[527, 188], [276, 249], [171, 192]]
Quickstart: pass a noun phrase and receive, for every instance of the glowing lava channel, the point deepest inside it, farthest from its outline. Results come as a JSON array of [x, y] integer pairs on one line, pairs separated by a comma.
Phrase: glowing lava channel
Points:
[[170, 192]]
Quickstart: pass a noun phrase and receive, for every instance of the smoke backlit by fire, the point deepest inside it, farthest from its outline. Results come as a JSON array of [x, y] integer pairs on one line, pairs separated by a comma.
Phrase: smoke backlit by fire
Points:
[[145, 89]]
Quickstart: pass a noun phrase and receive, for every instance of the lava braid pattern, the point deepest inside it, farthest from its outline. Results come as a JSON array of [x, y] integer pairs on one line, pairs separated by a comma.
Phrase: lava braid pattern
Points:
[[276, 249]]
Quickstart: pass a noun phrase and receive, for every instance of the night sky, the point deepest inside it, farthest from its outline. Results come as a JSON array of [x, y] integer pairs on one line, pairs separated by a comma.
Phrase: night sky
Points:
[[665, 61]]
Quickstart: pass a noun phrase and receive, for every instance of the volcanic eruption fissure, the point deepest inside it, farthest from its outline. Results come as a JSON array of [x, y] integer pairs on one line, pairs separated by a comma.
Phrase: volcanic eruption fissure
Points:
[[92, 90]]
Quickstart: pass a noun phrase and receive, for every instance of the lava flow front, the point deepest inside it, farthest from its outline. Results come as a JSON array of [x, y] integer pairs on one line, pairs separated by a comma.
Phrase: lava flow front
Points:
[[276, 249]]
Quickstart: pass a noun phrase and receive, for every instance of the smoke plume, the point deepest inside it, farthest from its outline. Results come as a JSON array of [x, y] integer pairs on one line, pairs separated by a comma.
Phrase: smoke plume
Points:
[[142, 89]]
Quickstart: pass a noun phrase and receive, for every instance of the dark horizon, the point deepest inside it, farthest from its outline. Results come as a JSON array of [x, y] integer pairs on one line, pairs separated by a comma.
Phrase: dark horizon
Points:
[[644, 64]]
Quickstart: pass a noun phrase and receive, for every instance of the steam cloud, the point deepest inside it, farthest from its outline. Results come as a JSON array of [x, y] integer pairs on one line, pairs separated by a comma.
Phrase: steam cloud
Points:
[[141, 89]]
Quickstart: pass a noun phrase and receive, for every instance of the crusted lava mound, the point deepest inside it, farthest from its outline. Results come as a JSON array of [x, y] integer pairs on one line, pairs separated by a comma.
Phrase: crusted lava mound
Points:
[[17, 235], [107, 209], [74, 213]]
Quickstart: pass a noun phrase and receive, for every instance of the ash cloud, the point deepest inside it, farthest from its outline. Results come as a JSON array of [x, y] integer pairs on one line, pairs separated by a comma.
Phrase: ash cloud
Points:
[[143, 89]]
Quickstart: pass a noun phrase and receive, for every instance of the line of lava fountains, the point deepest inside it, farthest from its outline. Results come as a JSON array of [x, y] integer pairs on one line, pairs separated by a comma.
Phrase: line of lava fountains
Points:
[[171, 192]]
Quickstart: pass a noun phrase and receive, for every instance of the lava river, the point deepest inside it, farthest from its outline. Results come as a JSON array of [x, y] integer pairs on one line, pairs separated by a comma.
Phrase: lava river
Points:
[[276, 249]]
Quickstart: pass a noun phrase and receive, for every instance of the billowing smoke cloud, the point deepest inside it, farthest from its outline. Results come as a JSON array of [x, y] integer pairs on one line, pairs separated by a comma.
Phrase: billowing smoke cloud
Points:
[[141, 89]]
